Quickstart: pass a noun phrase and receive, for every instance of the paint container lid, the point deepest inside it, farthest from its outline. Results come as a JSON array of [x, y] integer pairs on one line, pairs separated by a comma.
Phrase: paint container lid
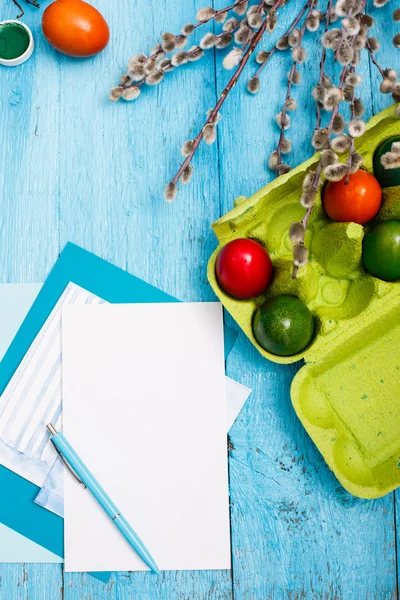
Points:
[[16, 43]]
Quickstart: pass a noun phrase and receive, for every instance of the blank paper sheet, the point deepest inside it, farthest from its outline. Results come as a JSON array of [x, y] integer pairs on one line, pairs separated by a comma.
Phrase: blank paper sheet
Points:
[[144, 405]]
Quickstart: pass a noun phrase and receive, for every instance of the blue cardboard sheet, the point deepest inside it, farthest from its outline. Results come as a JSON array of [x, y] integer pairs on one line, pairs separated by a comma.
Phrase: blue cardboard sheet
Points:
[[17, 507]]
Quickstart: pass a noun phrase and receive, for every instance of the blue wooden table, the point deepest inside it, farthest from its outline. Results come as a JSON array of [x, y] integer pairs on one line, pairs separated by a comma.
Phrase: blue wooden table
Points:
[[74, 166]]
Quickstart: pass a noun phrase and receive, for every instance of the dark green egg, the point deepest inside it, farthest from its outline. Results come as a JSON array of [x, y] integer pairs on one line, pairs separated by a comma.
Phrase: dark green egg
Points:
[[386, 177], [283, 325], [381, 251]]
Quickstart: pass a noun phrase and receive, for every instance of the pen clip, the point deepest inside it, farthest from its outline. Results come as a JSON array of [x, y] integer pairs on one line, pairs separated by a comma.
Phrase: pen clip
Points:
[[68, 466], [64, 460]]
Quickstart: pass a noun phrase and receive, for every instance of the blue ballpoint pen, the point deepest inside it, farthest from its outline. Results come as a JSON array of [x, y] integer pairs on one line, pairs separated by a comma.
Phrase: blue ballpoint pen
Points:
[[84, 476]]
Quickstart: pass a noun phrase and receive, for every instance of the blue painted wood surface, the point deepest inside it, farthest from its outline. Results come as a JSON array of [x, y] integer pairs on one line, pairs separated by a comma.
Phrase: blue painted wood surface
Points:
[[74, 166]]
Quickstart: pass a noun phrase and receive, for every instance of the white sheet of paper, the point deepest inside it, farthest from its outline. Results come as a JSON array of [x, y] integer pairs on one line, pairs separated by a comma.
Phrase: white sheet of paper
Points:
[[145, 407]]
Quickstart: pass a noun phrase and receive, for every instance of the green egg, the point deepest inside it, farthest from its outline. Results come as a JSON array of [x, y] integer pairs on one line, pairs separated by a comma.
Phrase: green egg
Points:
[[283, 325], [381, 251], [386, 177]]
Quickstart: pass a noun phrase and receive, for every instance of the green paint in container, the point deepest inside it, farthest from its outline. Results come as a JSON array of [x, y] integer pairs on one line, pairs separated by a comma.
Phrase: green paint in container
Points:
[[16, 43]]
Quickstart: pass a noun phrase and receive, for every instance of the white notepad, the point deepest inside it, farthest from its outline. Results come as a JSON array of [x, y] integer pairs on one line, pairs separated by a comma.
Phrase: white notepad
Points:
[[145, 407]]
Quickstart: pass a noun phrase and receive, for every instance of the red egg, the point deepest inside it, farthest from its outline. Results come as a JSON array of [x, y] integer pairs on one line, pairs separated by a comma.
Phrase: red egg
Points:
[[244, 269]]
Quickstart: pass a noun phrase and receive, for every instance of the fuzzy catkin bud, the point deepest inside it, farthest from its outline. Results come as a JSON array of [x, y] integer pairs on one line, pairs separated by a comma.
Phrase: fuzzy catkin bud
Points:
[[195, 53], [187, 29], [286, 146], [283, 168], [396, 147], [300, 255], [220, 17], [320, 138], [230, 25], [271, 21], [356, 162], [290, 104], [297, 232], [345, 54], [240, 8], [294, 38], [253, 85], [131, 93], [373, 44], [262, 57], [208, 41], [396, 14], [255, 20], [338, 124], [170, 191], [299, 55], [186, 175], [318, 92], [205, 14], [283, 120], [390, 160], [273, 161], [335, 172], [166, 65], [232, 59], [353, 79], [307, 197], [308, 181], [348, 93], [380, 3], [340, 144], [116, 93], [283, 43], [358, 108], [328, 157], [396, 40], [155, 77], [351, 25], [367, 21], [242, 34], [356, 128], [223, 40], [187, 148], [312, 22], [332, 98], [296, 77], [180, 58], [331, 39], [180, 41], [209, 133]]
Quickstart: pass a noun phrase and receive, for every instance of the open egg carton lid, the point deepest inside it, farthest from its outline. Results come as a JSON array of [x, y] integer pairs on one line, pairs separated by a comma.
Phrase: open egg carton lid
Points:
[[347, 394]]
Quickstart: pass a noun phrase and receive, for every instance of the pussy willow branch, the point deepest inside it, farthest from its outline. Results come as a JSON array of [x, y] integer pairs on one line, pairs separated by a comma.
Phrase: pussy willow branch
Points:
[[22, 12], [352, 117], [310, 4], [328, 18], [256, 39], [317, 176], [274, 49], [373, 59]]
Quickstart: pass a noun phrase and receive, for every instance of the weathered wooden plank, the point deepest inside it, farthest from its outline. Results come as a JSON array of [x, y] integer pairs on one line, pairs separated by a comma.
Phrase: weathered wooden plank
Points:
[[31, 582], [296, 532], [387, 57]]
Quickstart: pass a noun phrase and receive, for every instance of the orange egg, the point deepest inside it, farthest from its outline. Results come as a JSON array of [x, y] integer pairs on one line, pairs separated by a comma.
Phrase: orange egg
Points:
[[75, 27]]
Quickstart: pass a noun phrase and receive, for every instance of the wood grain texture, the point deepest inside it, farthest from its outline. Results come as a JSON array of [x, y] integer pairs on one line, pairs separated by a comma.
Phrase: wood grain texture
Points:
[[74, 166]]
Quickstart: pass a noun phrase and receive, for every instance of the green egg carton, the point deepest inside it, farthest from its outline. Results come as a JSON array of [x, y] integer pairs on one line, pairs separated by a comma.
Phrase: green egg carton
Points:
[[348, 393]]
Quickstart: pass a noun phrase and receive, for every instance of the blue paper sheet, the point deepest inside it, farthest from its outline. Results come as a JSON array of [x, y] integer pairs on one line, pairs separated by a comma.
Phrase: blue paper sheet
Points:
[[17, 508]]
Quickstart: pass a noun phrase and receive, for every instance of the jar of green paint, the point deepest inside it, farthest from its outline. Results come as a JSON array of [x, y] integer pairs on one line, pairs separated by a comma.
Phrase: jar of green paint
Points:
[[16, 43]]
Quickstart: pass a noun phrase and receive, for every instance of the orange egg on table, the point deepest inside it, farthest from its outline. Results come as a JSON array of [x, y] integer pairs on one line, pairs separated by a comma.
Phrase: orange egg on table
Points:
[[75, 27]]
